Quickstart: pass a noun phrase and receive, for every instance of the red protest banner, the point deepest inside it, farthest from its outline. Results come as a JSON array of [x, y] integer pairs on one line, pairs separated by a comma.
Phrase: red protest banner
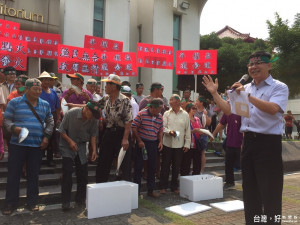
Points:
[[155, 56], [93, 62], [196, 62], [9, 29], [43, 45], [13, 53], [74, 59], [120, 63], [102, 44]]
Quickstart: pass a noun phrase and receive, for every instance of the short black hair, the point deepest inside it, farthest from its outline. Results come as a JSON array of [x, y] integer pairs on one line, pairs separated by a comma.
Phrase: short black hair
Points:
[[126, 83], [155, 85], [259, 54], [138, 85], [189, 106], [156, 101]]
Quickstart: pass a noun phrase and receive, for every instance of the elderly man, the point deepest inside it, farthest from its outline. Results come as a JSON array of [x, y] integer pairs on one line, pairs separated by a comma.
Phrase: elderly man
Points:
[[9, 85], [76, 94], [50, 96], [118, 117], [91, 86], [78, 127], [33, 113], [261, 158], [148, 130], [177, 140]]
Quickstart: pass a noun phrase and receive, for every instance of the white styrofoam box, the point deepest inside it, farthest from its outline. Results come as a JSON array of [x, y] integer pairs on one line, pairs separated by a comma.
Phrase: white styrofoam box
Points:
[[134, 189], [229, 206], [201, 187], [107, 199], [188, 209]]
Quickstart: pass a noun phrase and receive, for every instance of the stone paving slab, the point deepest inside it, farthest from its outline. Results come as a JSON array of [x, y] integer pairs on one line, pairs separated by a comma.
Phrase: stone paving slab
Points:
[[151, 211]]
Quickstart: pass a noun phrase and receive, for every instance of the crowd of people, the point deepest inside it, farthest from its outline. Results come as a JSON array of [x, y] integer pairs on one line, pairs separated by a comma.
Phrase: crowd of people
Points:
[[157, 134]]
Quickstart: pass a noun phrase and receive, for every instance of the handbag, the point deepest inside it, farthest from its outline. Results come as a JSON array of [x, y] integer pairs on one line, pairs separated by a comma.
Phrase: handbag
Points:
[[201, 142], [35, 113]]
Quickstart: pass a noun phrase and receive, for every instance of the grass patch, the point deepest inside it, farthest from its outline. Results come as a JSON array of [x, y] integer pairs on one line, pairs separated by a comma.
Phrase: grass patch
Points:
[[176, 219], [291, 187]]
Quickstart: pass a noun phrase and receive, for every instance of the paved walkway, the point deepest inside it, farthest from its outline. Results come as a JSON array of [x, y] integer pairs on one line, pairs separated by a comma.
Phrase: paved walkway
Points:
[[151, 211]]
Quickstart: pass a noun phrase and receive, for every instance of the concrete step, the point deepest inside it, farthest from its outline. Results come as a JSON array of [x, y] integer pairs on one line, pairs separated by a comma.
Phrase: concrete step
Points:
[[53, 178], [51, 194]]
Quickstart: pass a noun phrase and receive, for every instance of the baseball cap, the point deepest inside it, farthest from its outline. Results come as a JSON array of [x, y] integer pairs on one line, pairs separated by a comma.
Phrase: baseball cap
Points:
[[75, 75], [126, 89], [95, 108], [113, 78]]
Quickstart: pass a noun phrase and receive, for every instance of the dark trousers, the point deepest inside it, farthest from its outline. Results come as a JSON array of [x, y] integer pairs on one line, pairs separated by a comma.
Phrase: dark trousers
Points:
[[110, 148], [192, 154], [18, 155], [53, 141], [170, 156], [262, 172], [151, 147], [231, 156], [67, 182]]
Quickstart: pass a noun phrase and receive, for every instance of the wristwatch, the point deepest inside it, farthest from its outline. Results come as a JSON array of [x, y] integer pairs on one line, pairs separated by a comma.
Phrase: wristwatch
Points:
[[249, 95]]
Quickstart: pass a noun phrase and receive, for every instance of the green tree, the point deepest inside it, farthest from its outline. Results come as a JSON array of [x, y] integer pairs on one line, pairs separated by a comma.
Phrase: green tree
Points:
[[286, 42], [233, 56], [211, 41]]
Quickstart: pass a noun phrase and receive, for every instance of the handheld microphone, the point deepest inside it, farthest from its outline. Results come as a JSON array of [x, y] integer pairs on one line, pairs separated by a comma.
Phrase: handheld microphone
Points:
[[243, 80]]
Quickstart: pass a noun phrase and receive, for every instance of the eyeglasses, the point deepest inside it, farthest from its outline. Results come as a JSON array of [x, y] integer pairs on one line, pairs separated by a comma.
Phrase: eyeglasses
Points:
[[194, 108], [75, 78], [255, 63]]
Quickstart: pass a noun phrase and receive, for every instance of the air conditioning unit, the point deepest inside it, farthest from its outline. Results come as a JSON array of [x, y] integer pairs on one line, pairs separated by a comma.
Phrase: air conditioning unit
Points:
[[181, 6]]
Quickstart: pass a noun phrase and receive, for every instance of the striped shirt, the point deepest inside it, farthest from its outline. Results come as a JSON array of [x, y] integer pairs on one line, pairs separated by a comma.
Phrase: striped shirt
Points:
[[19, 114], [148, 126]]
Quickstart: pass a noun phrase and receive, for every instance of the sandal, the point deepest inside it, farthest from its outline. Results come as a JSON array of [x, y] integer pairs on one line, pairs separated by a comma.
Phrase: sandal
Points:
[[33, 208], [8, 210]]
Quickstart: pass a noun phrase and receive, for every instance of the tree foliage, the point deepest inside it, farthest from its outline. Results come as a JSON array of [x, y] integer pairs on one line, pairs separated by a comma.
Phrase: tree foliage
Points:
[[286, 41], [233, 56]]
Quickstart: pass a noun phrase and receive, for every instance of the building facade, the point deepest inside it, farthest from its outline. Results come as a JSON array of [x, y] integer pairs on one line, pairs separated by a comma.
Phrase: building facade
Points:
[[163, 22]]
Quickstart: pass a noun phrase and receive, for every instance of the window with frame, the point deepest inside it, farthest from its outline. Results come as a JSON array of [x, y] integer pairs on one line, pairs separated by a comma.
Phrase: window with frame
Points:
[[176, 45], [98, 28]]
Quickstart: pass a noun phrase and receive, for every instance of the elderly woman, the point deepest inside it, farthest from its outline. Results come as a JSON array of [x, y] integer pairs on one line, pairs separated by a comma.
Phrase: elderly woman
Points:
[[196, 152]]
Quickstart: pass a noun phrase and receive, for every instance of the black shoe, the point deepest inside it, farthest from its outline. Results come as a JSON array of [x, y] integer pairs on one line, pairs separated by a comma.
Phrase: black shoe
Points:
[[228, 186], [66, 206]]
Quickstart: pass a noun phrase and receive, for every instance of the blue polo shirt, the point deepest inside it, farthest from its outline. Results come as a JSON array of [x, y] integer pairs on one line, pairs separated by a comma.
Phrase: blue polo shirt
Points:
[[19, 112], [51, 98]]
